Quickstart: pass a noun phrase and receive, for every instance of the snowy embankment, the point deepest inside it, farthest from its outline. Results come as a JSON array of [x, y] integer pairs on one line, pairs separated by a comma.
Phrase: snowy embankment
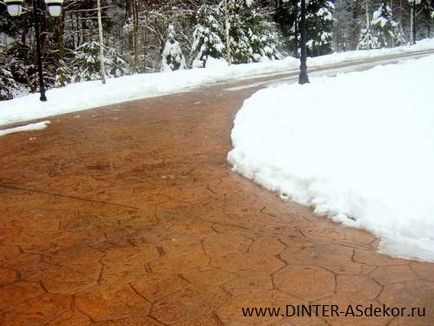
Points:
[[86, 95], [33, 126], [358, 147]]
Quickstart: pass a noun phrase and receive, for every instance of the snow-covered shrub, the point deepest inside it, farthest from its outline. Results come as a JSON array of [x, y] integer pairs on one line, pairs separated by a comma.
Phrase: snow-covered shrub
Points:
[[49, 75], [172, 56], [367, 40], [399, 36], [241, 32], [15, 70], [388, 31], [63, 75], [207, 36], [7, 84], [19, 59], [86, 62]]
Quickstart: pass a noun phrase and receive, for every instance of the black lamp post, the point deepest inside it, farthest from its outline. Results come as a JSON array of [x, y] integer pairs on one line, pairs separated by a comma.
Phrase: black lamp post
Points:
[[303, 78], [15, 8]]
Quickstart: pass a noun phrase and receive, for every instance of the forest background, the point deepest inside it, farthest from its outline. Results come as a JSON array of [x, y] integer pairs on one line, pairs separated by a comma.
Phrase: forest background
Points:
[[151, 36]]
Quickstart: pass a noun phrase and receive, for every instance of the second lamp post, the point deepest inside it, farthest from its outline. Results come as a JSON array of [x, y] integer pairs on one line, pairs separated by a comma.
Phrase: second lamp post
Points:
[[413, 4], [303, 78]]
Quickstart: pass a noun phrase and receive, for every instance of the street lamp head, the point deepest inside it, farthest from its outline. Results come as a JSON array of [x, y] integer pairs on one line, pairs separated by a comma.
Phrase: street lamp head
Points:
[[54, 7], [15, 7]]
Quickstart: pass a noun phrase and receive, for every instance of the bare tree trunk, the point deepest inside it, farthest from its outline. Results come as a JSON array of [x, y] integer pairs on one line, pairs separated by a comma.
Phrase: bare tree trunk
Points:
[[400, 11], [227, 33], [411, 25], [24, 34], [80, 23], [144, 47], [72, 29], [355, 24], [368, 24], [136, 31], [101, 43], [61, 37]]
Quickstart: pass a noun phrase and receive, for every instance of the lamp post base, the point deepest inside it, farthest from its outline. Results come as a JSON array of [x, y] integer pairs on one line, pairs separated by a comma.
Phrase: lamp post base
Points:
[[303, 78]]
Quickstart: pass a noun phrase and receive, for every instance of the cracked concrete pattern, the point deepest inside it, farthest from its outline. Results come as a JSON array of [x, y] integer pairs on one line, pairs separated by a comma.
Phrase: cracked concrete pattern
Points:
[[131, 216]]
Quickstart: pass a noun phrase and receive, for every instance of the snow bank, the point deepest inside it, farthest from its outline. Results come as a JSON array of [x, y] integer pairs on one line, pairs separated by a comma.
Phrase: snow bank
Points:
[[29, 127], [86, 95], [358, 148]]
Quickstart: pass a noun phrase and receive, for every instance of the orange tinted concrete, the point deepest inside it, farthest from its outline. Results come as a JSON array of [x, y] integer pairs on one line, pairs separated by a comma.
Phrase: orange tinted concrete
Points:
[[131, 216]]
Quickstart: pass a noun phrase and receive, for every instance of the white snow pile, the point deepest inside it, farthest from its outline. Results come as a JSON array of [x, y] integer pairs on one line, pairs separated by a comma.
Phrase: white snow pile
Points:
[[358, 147], [33, 126], [91, 94]]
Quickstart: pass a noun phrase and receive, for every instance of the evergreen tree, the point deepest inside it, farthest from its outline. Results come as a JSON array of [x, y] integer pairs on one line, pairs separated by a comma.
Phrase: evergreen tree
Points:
[[253, 37], [19, 62], [63, 75], [7, 84], [172, 57], [367, 40], [344, 25], [207, 36], [240, 18], [388, 31], [18, 65], [319, 27], [399, 37]]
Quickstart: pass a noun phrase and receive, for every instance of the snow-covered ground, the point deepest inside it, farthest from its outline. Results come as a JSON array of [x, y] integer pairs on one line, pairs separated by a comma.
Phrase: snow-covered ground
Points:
[[358, 147], [86, 95]]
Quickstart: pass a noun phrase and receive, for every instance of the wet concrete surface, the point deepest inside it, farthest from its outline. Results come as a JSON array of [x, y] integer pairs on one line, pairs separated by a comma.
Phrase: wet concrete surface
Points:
[[130, 215]]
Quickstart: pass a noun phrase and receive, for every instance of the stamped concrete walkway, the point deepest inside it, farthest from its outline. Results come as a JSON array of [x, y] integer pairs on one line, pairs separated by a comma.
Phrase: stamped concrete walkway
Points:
[[131, 216]]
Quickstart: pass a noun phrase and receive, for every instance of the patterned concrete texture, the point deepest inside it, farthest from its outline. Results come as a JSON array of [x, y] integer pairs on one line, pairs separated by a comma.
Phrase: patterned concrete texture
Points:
[[131, 216]]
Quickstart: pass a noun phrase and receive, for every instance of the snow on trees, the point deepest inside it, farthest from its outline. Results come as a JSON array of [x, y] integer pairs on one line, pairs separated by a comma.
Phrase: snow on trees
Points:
[[172, 57], [208, 36], [86, 62], [399, 36], [319, 27], [17, 62], [367, 40], [63, 75], [387, 30], [252, 37], [351, 28], [138, 38], [8, 84]]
